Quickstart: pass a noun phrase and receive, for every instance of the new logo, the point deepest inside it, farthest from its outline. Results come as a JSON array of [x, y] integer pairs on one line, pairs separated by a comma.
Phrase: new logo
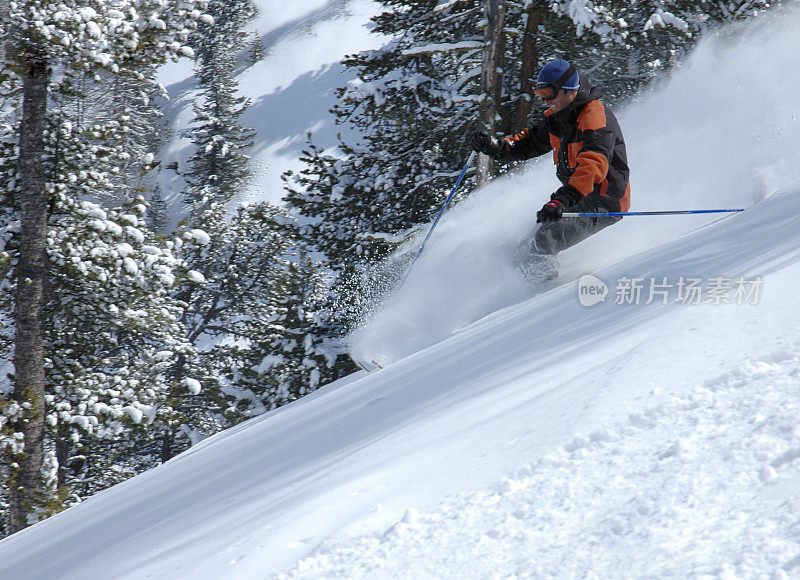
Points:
[[591, 290]]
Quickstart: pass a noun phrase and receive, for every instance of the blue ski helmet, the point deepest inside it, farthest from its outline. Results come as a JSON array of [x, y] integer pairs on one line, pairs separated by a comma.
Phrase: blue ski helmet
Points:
[[552, 73]]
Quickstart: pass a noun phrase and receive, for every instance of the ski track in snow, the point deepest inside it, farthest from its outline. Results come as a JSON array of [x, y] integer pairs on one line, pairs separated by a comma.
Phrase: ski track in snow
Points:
[[703, 485]]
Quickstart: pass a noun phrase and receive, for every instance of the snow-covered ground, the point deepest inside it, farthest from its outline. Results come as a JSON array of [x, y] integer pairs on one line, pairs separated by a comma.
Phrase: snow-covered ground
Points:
[[703, 483], [643, 436]]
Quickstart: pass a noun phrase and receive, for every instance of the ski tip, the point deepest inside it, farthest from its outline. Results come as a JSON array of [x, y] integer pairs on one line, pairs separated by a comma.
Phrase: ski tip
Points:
[[369, 366]]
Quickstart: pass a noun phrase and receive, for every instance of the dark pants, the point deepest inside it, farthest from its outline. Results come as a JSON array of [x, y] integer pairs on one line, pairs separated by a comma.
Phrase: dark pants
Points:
[[553, 237]]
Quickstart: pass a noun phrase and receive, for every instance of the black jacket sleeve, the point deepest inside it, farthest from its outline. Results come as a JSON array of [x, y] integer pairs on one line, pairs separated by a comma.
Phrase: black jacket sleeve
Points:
[[532, 142]]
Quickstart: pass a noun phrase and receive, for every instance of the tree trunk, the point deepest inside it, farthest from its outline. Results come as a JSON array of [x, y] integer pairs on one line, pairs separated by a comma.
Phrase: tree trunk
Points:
[[63, 451], [166, 448], [530, 57], [491, 78], [27, 491]]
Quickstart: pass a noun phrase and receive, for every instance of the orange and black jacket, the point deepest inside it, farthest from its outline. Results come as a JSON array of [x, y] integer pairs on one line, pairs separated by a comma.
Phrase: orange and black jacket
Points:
[[588, 149]]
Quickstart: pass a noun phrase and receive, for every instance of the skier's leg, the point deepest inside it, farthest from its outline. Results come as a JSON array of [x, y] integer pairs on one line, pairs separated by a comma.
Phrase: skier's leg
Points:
[[537, 255], [538, 267], [541, 263]]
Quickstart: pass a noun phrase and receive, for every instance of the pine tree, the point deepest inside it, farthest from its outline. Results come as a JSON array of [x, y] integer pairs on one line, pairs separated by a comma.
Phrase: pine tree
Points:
[[119, 114], [642, 39], [219, 164], [257, 51], [231, 309], [73, 38], [134, 104], [158, 211], [116, 390], [305, 352], [111, 331], [254, 316], [414, 101]]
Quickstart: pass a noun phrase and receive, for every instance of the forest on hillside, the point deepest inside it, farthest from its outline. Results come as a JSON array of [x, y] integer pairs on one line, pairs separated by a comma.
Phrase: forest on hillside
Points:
[[123, 340]]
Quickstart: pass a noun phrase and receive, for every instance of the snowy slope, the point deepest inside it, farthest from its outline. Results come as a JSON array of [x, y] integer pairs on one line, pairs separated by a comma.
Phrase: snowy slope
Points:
[[688, 416], [291, 90], [546, 438]]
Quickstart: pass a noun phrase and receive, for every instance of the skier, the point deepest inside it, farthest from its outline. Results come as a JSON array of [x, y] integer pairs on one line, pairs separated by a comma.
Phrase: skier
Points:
[[591, 163]]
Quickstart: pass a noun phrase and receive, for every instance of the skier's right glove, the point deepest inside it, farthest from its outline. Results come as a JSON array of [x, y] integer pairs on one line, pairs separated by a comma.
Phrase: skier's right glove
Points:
[[483, 143]]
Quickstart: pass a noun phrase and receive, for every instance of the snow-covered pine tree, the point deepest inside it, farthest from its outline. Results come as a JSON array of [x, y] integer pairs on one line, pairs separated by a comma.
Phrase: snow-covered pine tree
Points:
[[629, 52], [413, 101], [158, 211], [219, 164], [305, 353], [71, 37], [641, 39], [134, 104], [254, 317], [119, 114], [256, 52], [111, 331], [231, 308], [112, 334]]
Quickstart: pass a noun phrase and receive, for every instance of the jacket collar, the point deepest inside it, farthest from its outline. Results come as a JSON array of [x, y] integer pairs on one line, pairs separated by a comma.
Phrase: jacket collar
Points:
[[587, 91]]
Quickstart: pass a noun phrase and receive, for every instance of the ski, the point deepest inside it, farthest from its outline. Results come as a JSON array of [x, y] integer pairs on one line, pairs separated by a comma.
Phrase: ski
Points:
[[370, 366]]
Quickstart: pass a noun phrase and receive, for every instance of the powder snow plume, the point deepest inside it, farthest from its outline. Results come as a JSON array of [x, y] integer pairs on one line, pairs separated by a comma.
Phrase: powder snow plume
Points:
[[719, 133]]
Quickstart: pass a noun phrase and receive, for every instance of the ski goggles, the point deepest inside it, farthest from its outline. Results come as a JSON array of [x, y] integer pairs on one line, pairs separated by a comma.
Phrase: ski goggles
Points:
[[549, 91], [546, 91]]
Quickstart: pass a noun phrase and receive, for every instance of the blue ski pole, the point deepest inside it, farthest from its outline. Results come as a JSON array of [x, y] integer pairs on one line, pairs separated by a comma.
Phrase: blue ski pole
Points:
[[627, 213], [439, 215]]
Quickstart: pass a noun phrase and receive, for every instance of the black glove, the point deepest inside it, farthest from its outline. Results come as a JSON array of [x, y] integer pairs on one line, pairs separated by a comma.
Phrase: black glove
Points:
[[482, 143], [551, 211]]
